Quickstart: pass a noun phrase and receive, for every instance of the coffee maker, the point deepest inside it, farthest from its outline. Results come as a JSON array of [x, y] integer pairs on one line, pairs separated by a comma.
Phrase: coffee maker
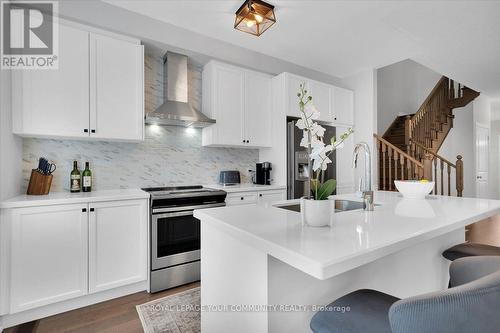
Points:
[[263, 173]]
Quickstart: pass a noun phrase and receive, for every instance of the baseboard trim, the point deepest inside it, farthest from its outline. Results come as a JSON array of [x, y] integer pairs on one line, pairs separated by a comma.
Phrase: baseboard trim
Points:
[[10, 320]]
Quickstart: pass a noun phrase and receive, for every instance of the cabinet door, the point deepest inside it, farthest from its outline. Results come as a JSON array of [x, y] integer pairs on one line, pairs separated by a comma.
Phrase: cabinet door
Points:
[[229, 105], [116, 89], [343, 106], [345, 173], [117, 244], [55, 102], [267, 197], [321, 94], [257, 121], [241, 198], [48, 255], [294, 83]]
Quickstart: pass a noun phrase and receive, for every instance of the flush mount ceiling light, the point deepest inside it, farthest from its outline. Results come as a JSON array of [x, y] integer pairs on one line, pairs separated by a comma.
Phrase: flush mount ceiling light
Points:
[[254, 17]]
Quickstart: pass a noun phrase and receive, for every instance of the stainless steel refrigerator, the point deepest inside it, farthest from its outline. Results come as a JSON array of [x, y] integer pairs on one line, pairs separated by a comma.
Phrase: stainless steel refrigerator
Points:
[[297, 161]]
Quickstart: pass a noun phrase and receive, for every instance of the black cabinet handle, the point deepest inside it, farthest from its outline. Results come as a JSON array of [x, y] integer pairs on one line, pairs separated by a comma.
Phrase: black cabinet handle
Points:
[[84, 210], [248, 141], [92, 131], [260, 195], [86, 130], [241, 198], [243, 141], [91, 209], [335, 118]]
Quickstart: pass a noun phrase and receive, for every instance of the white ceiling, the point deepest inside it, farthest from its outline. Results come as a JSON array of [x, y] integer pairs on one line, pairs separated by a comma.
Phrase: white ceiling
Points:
[[456, 38]]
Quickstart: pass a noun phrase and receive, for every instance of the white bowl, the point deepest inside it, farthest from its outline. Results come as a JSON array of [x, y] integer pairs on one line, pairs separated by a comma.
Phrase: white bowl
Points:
[[412, 189]]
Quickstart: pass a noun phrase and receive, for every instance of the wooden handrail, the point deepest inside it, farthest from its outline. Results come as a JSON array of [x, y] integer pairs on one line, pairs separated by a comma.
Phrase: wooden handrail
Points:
[[405, 154], [430, 96], [433, 153]]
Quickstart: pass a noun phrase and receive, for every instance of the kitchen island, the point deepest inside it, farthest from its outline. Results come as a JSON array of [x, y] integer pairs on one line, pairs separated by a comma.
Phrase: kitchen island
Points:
[[263, 271]]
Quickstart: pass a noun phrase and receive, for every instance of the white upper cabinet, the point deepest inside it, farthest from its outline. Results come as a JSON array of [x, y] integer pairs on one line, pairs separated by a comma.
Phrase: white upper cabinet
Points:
[[257, 127], [293, 87], [321, 94], [240, 102], [343, 106], [334, 104], [97, 91], [116, 89], [55, 102], [227, 97]]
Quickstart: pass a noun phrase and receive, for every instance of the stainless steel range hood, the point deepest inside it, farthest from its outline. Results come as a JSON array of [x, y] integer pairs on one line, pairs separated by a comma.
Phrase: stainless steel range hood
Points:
[[176, 110]]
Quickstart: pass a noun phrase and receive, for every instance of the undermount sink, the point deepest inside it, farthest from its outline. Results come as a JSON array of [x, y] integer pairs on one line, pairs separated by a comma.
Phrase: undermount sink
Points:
[[340, 206]]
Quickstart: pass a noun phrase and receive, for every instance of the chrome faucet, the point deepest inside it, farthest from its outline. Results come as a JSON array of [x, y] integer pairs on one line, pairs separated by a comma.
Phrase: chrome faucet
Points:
[[366, 185]]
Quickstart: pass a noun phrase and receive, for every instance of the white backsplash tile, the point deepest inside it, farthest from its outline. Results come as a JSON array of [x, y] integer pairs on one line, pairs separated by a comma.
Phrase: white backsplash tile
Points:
[[168, 156]]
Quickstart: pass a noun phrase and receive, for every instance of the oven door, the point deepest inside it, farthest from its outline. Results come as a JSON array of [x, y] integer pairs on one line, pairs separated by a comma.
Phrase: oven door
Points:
[[175, 238]]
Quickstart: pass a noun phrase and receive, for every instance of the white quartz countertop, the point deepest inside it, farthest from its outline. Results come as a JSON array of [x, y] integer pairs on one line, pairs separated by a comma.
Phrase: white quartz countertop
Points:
[[355, 237], [57, 198], [246, 187]]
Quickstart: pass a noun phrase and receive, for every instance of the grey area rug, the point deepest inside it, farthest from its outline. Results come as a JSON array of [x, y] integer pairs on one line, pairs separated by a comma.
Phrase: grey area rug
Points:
[[178, 313]]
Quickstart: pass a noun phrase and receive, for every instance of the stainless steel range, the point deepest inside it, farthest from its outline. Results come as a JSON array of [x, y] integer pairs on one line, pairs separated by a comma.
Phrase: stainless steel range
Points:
[[175, 233]]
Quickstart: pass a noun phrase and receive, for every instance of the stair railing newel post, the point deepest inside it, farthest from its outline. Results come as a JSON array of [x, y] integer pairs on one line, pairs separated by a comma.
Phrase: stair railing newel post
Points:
[[459, 175], [408, 135]]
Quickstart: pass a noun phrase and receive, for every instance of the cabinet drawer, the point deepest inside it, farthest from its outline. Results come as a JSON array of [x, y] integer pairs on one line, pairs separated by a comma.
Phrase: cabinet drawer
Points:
[[241, 198], [271, 196]]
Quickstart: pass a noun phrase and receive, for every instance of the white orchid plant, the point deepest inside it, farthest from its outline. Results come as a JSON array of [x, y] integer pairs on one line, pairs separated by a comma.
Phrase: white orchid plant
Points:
[[318, 151]]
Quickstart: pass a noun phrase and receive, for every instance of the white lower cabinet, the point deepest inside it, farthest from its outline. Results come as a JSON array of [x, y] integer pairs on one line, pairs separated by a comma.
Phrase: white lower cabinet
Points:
[[117, 244], [254, 197], [241, 198], [59, 252], [271, 196], [49, 248]]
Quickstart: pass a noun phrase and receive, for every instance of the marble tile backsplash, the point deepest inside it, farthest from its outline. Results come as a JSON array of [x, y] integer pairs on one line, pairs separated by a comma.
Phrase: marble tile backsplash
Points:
[[168, 156]]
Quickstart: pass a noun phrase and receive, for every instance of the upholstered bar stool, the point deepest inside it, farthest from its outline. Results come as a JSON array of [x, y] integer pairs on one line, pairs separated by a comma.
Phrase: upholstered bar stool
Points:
[[470, 250], [471, 305]]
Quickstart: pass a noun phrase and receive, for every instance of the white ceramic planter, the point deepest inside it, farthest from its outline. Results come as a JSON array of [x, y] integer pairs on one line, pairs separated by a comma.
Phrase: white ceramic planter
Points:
[[316, 213]]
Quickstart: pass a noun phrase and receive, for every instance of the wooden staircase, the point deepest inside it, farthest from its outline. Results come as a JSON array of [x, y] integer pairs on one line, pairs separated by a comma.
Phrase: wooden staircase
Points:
[[409, 148]]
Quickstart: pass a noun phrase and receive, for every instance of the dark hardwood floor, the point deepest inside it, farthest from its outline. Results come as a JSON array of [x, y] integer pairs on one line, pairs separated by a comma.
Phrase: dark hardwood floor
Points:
[[118, 316]]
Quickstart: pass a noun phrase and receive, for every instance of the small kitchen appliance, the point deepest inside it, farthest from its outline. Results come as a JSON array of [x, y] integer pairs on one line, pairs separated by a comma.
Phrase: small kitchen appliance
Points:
[[175, 233], [263, 173], [229, 177]]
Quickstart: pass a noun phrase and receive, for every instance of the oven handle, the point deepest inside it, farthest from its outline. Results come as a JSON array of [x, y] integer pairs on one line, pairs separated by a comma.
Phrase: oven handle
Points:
[[188, 208]]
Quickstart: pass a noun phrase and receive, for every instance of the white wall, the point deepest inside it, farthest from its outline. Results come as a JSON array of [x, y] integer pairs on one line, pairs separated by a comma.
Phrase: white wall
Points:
[[10, 145], [402, 87], [364, 85], [495, 159], [460, 141], [482, 110]]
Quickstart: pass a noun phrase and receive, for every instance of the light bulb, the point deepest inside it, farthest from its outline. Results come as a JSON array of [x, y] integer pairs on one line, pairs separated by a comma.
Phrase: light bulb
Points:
[[258, 18], [250, 23]]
